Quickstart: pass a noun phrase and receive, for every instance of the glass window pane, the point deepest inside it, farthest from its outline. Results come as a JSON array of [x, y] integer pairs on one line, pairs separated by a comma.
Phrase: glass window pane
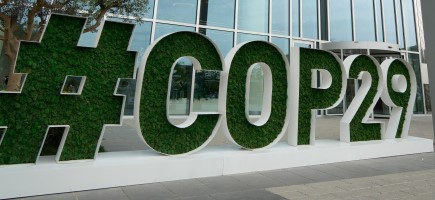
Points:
[[150, 9], [364, 21], [324, 20], [223, 39], [295, 18], [400, 24], [181, 87], [254, 15], [280, 17], [206, 93], [340, 20], [256, 90], [141, 37], [390, 21], [179, 11], [163, 29], [283, 44], [408, 16], [309, 19], [414, 60], [303, 45], [379, 21], [218, 13], [242, 37]]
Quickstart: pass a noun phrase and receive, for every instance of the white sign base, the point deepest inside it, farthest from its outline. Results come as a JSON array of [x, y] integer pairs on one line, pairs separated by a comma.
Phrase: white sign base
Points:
[[139, 167]]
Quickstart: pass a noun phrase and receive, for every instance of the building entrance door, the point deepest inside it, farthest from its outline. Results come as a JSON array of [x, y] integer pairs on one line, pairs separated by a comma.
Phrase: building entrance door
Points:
[[380, 51]]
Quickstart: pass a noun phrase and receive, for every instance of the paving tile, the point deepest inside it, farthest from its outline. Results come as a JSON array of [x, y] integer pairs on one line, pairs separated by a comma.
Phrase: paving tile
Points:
[[387, 167], [320, 197], [204, 197], [290, 194], [153, 191], [391, 195], [188, 188], [286, 177], [313, 174], [355, 193], [247, 195], [393, 188], [408, 164], [290, 188], [358, 185], [64, 196], [335, 171], [224, 184], [257, 180], [361, 170], [332, 185], [103, 194], [427, 196]]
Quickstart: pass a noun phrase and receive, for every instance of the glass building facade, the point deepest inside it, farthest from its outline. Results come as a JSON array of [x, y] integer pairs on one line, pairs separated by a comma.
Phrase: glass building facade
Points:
[[292, 23]]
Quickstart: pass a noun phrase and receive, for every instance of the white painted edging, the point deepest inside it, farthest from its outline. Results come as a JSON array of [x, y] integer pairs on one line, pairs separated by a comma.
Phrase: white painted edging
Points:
[[139, 167]]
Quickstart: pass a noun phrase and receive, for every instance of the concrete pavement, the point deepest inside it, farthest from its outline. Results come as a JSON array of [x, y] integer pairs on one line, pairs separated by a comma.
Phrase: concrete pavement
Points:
[[401, 177]]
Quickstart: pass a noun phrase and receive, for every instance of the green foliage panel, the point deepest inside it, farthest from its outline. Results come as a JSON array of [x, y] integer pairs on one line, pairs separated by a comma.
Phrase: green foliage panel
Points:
[[400, 99], [242, 131], [311, 98], [358, 130], [158, 132], [27, 115]]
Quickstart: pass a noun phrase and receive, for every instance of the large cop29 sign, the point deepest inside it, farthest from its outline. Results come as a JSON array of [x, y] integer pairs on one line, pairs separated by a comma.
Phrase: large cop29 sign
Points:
[[293, 91]]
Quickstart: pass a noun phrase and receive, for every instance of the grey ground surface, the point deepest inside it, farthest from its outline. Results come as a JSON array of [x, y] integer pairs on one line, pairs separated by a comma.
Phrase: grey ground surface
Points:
[[421, 126], [401, 177]]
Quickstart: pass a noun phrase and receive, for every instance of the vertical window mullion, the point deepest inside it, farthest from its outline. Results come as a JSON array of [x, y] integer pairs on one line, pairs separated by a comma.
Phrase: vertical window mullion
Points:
[[352, 10], [236, 22], [375, 9]]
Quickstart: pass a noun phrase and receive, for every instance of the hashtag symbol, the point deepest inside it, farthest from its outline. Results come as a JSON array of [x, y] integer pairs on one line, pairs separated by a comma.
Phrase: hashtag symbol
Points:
[[49, 98]]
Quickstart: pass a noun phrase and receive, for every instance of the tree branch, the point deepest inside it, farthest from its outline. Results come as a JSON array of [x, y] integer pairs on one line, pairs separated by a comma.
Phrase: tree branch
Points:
[[4, 3], [55, 6], [4, 17], [98, 19]]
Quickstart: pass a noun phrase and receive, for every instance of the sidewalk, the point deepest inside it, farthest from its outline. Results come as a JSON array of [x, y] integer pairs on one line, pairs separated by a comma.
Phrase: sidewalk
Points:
[[401, 177]]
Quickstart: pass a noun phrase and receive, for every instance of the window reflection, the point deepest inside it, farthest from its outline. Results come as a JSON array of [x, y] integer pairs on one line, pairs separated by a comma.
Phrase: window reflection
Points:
[[340, 20], [141, 37], [223, 39], [127, 87], [303, 44], [414, 60], [256, 89], [390, 21], [177, 10], [254, 15], [206, 93], [181, 87], [400, 24], [408, 16], [380, 22], [219, 13], [163, 29], [280, 17], [242, 37], [295, 18], [323, 19], [283, 44], [364, 21], [150, 9], [309, 19]]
